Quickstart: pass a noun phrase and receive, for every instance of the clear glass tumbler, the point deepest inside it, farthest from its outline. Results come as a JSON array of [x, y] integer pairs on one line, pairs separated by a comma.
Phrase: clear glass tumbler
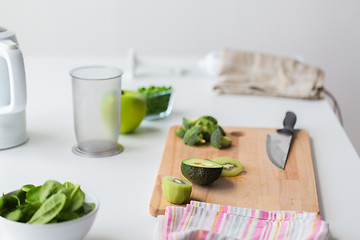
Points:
[[97, 107]]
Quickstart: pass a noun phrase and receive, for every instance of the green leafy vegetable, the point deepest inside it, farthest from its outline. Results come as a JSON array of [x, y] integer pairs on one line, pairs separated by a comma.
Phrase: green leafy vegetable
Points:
[[76, 199], [14, 215], [49, 209], [27, 187], [28, 210], [157, 98], [50, 203], [66, 216], [33, 195], [68, 185], [12, 201], [86, 208], [2, 202], [49, 188]]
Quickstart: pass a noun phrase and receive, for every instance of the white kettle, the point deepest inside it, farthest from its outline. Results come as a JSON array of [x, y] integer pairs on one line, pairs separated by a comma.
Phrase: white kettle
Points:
[[12, 92]]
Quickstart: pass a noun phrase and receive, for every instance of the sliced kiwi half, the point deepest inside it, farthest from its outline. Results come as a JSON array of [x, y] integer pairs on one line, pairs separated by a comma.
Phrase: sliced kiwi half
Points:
[[231, 166], [176, 190]]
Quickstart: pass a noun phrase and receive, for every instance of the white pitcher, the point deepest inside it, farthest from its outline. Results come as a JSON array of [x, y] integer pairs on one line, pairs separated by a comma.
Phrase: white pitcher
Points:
[[12, 92]]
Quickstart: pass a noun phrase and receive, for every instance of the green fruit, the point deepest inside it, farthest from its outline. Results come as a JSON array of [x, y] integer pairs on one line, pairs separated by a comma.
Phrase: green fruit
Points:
[[133, 109], [109, 110], [176, 190], [201, 171], [232, 166]]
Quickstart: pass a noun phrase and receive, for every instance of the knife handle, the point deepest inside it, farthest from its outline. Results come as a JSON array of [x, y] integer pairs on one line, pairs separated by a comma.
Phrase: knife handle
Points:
[[289, 123]]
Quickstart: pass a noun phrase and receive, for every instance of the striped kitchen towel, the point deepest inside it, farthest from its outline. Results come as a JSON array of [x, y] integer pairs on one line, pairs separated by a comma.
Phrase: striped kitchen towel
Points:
[[200, 220]]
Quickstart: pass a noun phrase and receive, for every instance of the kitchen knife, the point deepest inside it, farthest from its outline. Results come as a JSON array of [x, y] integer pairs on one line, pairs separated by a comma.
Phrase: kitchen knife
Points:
[[278, 143]]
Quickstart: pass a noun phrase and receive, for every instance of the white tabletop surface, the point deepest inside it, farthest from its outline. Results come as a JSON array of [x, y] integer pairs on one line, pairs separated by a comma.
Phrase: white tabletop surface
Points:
[[124, 183]]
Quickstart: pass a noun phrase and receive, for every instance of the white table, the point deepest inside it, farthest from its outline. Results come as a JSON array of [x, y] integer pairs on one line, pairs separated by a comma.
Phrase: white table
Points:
[[124, 183]]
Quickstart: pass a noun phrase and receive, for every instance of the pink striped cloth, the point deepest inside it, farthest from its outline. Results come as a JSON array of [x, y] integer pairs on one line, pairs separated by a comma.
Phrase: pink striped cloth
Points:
[[199, 220]]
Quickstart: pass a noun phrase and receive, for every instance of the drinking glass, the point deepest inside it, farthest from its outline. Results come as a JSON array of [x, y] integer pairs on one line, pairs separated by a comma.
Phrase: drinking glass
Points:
[[96, 102]]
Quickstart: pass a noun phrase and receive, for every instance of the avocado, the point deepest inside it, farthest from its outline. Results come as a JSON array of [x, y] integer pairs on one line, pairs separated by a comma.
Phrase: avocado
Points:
[[201, 171], [176, 190]]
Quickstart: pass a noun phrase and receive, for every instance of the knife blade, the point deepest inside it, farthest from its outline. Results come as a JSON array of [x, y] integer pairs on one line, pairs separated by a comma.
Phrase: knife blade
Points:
[[278, 143]]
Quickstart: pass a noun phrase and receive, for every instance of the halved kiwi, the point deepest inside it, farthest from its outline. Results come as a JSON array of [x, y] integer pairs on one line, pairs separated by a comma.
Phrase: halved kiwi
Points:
[[176, 190], [231, 166]]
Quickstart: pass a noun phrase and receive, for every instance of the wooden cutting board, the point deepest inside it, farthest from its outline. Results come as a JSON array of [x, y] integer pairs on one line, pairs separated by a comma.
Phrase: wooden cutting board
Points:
[[261, 185]]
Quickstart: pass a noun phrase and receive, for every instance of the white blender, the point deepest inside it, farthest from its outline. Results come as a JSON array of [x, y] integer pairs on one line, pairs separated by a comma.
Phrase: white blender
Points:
[[12, 92]]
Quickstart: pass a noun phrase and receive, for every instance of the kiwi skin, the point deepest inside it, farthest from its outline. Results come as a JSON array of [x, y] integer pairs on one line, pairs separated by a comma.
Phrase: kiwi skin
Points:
[[231, 166], [176, 190]]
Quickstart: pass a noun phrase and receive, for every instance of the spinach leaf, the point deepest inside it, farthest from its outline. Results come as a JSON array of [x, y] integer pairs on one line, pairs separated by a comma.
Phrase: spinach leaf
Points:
[[49, 209], [21, 196], [49, 188], [49, 203], [14, 215], [66, 216], [27, 187], [67, 192], [28, 210], [2, 201], [33, 195], [85, 209], [157, 98], [68, 185], [12, 202], [77, 198]]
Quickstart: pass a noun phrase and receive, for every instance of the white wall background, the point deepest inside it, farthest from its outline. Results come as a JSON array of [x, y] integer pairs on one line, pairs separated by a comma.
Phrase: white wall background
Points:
[[325, 32]]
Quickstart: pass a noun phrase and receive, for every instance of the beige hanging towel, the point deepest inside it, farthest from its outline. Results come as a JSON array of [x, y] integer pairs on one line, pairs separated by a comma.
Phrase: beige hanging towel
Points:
[[243, 72]]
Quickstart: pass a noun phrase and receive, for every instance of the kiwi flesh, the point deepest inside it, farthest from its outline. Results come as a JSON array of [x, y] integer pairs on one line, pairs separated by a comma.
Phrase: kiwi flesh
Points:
[[176, 190], [231, 166]]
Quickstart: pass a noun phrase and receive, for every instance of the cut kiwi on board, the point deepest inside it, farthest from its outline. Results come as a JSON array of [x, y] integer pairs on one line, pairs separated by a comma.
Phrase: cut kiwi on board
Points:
[[201, 171], [231, 166], [176, 190]]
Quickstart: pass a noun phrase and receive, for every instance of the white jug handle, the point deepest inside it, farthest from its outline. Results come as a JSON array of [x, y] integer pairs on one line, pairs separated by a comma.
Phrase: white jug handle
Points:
[[14, 59]]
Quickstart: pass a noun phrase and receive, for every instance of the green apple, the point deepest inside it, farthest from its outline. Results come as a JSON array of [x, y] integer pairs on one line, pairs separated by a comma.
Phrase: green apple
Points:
[[133, 109], [109, 110]]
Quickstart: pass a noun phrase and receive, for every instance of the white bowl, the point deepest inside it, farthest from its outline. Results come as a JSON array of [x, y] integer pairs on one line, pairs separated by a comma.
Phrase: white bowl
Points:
[[68, 230]]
